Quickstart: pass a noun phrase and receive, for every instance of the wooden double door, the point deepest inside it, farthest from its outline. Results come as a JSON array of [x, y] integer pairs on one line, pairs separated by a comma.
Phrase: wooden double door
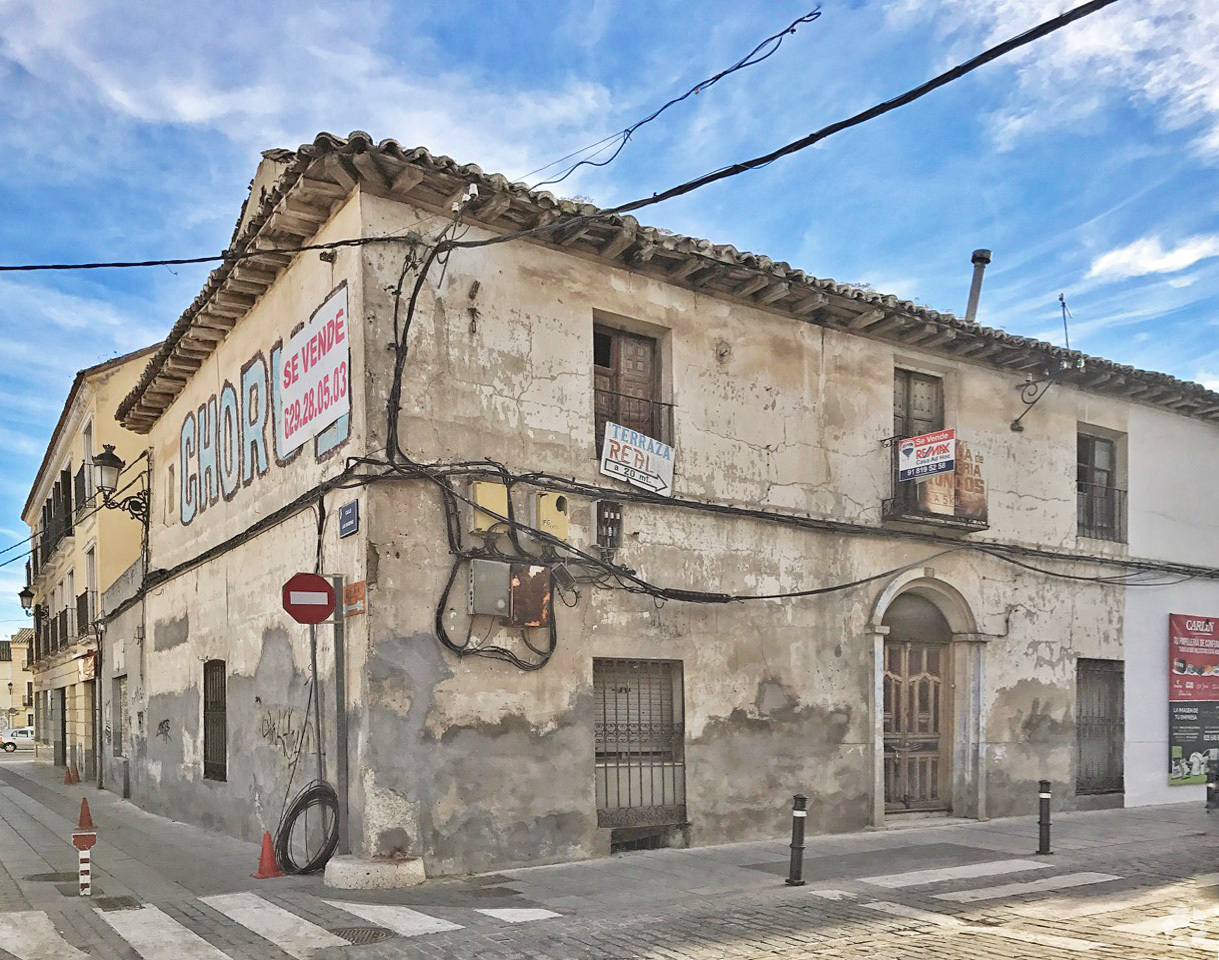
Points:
[[917, 746]]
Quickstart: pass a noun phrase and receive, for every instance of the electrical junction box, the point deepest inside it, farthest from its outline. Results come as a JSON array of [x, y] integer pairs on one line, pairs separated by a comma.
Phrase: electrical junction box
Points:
[[492, 496], [549, 514], [490, 591], [607, 518], [529, 595]]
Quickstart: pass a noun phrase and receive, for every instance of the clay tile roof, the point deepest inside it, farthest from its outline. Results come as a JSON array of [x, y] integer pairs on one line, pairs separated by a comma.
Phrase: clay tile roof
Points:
[[327, 169]]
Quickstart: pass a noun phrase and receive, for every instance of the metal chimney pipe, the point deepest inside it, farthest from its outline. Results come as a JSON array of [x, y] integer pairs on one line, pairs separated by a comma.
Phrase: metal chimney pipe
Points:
[[980, 259]]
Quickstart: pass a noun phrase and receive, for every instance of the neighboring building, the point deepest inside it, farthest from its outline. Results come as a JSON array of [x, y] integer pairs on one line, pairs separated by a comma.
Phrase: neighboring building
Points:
[[958, 639], [16, 680], [78, 550]]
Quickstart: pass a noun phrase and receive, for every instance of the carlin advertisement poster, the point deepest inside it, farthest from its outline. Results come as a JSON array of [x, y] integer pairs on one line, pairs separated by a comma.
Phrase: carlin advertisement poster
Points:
[[1193, 696]]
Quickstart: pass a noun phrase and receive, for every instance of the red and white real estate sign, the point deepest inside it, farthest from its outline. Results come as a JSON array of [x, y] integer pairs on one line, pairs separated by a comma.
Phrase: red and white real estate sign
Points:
[[314, 373], [927, 455]]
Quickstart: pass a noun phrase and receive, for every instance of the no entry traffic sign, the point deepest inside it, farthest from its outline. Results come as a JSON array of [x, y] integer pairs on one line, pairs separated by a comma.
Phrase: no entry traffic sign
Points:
[[308, 598]]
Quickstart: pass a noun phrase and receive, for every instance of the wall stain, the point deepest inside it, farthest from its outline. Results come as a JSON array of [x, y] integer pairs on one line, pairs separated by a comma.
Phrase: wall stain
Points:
[[170, 633]]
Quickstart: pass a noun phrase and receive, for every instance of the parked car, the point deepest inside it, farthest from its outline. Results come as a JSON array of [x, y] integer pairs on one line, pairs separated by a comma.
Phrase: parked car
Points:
[[10, 740]]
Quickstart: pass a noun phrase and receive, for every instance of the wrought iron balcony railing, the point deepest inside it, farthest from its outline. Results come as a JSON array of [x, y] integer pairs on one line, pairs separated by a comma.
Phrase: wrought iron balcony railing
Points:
[[1101, 512]]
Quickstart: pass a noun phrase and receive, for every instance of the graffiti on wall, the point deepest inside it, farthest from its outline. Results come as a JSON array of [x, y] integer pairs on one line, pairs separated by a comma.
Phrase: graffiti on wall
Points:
[[234, 436], [285, 729], [163, 730]]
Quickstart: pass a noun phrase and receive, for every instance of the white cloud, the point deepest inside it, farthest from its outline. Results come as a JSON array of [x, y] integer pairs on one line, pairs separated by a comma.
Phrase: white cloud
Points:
[[1160, 55], [1147, 255], [1208, 379]]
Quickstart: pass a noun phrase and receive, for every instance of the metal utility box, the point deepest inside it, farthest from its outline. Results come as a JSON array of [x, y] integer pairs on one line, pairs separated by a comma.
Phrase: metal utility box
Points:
[[530, 595], [490, 591], [549, 514], [607, 517], [493, 497]]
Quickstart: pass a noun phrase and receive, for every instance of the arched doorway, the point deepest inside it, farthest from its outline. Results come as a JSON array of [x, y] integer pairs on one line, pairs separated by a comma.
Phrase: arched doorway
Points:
[[917, 706]]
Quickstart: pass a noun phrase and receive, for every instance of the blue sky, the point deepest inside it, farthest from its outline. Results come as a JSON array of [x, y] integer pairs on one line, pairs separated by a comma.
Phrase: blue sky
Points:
[[1087, 161]]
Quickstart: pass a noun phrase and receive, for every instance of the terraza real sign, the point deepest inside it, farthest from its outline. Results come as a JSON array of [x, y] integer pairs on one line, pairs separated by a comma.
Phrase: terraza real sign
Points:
[[925, 456], [314, 373], [638, 459]]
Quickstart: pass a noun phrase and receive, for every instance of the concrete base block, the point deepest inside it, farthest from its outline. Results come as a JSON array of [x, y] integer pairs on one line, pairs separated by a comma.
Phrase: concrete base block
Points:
[[353, 873]]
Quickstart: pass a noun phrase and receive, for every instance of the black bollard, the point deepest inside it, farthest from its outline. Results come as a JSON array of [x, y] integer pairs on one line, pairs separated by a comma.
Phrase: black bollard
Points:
[[1043, 822], [795, 875]]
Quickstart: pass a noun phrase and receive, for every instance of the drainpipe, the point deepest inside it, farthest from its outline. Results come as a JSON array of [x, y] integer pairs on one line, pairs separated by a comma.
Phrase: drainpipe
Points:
[[980, 259]]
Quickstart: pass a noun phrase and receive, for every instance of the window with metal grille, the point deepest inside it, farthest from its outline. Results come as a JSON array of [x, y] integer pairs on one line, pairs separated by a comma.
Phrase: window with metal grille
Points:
[[626, 384], [215, 721], [1101, 505], [639, 742], [1100, 717]]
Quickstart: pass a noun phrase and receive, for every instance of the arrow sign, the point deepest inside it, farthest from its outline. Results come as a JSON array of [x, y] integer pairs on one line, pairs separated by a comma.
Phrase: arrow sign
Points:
[[638, 459], [308, 598]]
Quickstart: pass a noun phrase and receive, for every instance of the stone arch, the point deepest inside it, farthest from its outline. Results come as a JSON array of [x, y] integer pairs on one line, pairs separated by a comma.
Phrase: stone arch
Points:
[[924, 582]]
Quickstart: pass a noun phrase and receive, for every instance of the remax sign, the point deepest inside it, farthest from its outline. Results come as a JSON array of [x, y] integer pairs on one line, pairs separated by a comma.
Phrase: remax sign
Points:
[[925, 456]]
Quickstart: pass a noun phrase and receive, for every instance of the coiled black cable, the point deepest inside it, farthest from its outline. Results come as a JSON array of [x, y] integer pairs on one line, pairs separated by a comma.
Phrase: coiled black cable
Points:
[[319, 793]]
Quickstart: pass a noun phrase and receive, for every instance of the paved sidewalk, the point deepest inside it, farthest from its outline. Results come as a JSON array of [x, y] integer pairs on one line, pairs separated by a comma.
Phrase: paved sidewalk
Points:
[[1139, 883]]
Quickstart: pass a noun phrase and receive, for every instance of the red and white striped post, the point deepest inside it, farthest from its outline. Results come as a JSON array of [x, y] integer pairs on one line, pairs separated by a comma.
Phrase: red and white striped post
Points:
[[83, 839]]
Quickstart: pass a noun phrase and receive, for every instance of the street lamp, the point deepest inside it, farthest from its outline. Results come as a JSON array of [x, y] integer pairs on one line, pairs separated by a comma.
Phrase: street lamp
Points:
[[107, 467], [26, 596]]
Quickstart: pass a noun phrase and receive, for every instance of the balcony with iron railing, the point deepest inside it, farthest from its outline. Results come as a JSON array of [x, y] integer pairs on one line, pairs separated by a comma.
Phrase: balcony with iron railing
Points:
[[955, 500], [1101, 512], [651, 417]]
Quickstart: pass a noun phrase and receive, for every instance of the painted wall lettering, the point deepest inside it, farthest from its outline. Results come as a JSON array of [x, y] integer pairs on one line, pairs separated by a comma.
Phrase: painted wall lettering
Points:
[[223, 442]]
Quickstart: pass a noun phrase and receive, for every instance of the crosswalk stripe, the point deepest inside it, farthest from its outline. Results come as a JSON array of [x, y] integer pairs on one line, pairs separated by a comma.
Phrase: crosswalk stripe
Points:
[[286, 930], [518, 914], [968, 871], [1207, 880], [402, 920], [911, 913], [157, 936], [30, 935], [1170, 922], [1043, 885], [1068, 908]]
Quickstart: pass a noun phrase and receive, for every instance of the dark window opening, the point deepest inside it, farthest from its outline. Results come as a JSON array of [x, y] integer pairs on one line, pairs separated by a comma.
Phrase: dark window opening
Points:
[[626, 384], [215, 721], [1101, 506]]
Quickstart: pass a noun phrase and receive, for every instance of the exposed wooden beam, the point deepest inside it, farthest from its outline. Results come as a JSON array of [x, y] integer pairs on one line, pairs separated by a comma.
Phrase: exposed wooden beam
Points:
[[324, 188], [366, 164], [406, 179], [941, 338], [566, 236], [618, 243], [685, 268], [294, 204], [644, 252], [490, 211], [776, 291], [867, 318], [344, 173], [809, 304], [751, 286]]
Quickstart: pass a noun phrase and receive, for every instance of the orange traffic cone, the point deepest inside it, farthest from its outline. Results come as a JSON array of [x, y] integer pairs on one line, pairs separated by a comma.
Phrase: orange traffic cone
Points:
[[67, 775], [86, 818], [75, 774], [267, 867]]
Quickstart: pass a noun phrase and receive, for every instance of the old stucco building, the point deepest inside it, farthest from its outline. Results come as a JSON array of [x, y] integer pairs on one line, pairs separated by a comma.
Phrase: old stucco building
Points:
[[953, 642], [78, 549]]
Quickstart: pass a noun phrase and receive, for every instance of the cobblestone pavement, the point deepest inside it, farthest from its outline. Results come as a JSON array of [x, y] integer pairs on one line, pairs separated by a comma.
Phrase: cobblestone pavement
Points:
[[1137, 884]]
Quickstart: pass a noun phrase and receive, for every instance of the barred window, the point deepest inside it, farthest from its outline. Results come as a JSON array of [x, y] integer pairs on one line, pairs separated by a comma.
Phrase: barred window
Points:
[[215, 721]]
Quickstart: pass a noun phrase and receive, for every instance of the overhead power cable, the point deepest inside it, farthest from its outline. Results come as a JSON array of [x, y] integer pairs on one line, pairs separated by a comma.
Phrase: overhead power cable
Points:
[[994, 53], [755, 56]]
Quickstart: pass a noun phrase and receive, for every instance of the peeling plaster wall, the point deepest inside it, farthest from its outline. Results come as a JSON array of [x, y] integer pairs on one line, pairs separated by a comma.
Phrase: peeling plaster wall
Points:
[[229, 607], [474, 765], [768, 412]]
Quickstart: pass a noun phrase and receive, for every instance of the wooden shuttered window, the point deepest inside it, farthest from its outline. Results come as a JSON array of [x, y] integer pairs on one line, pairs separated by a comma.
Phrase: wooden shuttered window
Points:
[[626, 383], [918, 404]]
